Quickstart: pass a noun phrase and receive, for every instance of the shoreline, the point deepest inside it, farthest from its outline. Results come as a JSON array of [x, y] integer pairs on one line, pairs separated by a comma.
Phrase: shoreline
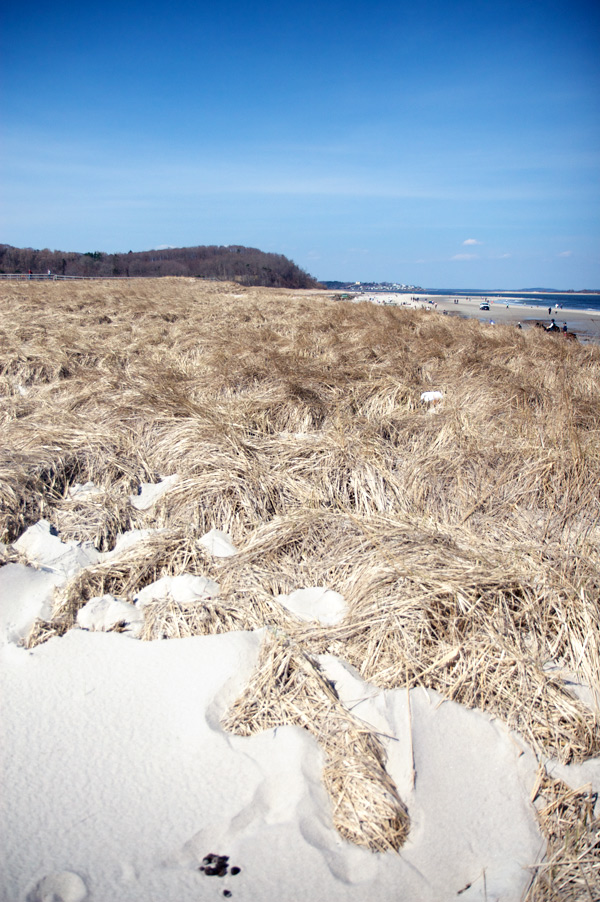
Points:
[[583, 323]]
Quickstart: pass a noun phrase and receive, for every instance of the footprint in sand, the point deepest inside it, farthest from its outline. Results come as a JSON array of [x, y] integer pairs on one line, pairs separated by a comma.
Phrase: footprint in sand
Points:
[[63, 886]]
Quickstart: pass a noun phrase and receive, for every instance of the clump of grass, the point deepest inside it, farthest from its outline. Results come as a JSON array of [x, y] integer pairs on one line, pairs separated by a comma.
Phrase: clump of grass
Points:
[[167, 553], [570, 871], [288, 687], [43, 630], [170, 619]]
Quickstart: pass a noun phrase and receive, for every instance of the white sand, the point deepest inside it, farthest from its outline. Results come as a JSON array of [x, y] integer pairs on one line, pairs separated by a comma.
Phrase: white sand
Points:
[[182, 588], [315, 603], [117, 778], [150, 492], [106, 612], [218, 543], [40, 545]]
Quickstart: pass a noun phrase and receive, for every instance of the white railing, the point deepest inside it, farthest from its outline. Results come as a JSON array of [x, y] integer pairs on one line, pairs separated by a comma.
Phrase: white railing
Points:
[[55, 277]]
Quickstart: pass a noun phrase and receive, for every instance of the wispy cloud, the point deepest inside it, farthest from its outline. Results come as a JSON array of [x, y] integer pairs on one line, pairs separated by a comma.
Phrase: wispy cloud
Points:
[[471, 241], [465, 257], [566, 254], [119, 170]]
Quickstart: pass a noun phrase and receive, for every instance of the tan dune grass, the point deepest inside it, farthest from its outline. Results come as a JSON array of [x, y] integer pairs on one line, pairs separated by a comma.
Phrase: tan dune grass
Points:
[[288, 687], [571, 869], [465, 538]]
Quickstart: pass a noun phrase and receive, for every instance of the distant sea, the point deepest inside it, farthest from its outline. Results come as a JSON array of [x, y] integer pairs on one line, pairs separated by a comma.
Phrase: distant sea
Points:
[[568, 301]]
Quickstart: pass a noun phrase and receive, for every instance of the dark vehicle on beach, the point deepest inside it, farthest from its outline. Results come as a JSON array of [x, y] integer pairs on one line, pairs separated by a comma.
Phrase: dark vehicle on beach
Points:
[[484, 306]]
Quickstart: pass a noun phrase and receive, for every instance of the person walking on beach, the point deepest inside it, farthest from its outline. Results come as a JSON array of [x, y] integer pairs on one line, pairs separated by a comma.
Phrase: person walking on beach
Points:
[[549, 310]]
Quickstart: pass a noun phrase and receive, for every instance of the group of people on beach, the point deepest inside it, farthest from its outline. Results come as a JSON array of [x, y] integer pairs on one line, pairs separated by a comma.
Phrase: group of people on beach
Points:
[[554, 328]]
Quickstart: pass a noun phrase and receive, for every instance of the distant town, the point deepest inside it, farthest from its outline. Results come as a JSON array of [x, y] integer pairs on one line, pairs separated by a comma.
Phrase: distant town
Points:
[[370, 286]]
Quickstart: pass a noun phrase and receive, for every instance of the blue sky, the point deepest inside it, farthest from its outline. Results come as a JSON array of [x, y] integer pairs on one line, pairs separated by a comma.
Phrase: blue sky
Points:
[[437, 143]]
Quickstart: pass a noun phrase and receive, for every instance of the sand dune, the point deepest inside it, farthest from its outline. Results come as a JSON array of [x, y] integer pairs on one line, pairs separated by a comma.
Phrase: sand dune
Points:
[[297, 597]]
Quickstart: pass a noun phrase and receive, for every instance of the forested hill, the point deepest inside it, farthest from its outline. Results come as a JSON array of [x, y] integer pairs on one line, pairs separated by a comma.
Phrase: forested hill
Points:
[[246, 265]]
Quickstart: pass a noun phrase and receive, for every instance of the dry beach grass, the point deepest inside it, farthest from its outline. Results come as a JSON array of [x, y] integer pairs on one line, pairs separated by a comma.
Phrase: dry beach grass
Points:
[[571, 869], [464, 537]]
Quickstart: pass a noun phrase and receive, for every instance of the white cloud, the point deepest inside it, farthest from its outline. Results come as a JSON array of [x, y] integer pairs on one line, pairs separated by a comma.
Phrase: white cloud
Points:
[[465, 257], [565, 254], [471, 241]]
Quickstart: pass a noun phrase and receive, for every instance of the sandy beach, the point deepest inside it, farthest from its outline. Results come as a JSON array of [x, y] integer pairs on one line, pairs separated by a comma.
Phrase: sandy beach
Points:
[[585, 324]]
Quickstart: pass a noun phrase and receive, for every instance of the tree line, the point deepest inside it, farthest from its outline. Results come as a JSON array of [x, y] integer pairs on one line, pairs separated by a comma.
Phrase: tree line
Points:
[[246, 265]]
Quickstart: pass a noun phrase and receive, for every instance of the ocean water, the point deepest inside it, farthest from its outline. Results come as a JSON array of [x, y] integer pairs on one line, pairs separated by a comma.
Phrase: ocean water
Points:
[[568, 300]]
